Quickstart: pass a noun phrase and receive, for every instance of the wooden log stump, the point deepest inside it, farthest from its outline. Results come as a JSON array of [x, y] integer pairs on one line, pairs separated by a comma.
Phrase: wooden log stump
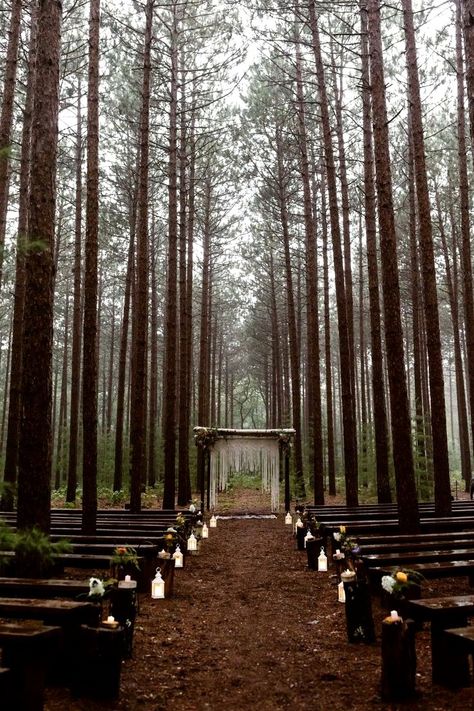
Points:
[[398, 660], [359, 620], [312, 550], [300, 535], [98, 663], [123, 606]]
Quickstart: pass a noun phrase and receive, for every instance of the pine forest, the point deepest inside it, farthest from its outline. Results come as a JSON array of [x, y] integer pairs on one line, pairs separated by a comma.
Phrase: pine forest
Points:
[[235, 215]]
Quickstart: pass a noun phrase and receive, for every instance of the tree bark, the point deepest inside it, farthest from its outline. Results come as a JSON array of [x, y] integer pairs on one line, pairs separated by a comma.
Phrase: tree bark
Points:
[[313, 376], [294, 352], [14, 404], [349, 430], [466, 257], [380, 412], [169, 368], [76, 316], [442, 489], [89, 344], [400, 416], [34, 475], [6, 118], [138, 373]]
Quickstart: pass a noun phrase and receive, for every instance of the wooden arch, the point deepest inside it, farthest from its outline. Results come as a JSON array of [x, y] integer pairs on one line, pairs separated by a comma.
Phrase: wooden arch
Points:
[[221, 451]]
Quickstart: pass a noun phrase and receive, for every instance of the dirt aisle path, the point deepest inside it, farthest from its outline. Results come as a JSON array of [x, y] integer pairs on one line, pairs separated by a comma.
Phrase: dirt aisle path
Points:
[[250, 628]]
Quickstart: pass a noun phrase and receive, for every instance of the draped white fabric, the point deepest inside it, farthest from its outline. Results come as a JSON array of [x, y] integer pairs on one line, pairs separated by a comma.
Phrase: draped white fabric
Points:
[[245, 454]]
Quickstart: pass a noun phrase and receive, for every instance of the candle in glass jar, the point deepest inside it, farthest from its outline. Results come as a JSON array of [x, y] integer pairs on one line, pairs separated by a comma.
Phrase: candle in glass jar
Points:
[[128, 578], [110, 619], [394, 615]]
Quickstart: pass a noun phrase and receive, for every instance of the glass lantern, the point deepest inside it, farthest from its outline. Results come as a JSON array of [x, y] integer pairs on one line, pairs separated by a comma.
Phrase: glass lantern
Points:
[[192, 543], [178, 557], [158, 586], [288, 519], [205, 531], [322, 561], [213, 522]]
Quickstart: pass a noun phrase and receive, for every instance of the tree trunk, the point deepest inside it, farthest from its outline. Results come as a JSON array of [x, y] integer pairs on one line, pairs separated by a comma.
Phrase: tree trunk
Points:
[[451, 275], [6, 118], [349, 430], [466, 257], [313, 377], [442, 489], [140, 292], [400, 415], [34, 475], [294, 354], [153, 403], [89, 353], [14, 404], [169, 367], [380, 413], [76, 316], [327, 349], [203, 375]]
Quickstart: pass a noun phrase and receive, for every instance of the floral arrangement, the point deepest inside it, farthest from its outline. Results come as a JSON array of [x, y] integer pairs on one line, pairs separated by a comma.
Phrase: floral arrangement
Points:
[[284, 439], [125, 555], [205, 437], [400, 580], [310, 522], [348, 544], [180, 520], [170, 538]]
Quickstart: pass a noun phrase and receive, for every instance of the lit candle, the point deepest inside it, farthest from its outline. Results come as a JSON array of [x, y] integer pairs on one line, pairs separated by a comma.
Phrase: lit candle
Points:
[[128, 578], [394, 615], [110, 619]]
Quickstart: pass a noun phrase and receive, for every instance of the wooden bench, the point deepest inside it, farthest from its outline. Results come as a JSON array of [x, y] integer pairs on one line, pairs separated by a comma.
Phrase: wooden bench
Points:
[[410, 557], [434, 570], [417, 546], [26, 650], [459, 646], [33, 587], [443, 613]]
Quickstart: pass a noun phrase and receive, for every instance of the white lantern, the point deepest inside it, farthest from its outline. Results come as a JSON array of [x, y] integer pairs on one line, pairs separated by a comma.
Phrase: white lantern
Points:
[[309, 537], [205, 531], [288, 519], [341, 593], [192, 543], [298, 524], [322, 561], [178, 557], [213, 522], [157, 586]]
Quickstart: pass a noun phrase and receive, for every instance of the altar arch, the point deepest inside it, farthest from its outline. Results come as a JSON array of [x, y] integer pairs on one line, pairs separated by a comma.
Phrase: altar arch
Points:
[[229, 451]]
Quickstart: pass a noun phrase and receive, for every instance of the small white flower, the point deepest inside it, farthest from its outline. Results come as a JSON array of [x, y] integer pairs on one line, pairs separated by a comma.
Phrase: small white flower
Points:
[[337, 536], [388, 583], [96, 587]]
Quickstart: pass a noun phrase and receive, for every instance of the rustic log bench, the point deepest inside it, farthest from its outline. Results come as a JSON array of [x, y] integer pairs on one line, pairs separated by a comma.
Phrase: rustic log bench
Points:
[[39, 588], [410, 557], [443, 613], [54, 612], [459, 646], [461, 541], [434, 570], [26, 650]]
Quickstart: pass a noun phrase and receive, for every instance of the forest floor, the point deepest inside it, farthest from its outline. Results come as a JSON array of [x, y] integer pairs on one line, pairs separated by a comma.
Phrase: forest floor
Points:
[[250, 627]]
